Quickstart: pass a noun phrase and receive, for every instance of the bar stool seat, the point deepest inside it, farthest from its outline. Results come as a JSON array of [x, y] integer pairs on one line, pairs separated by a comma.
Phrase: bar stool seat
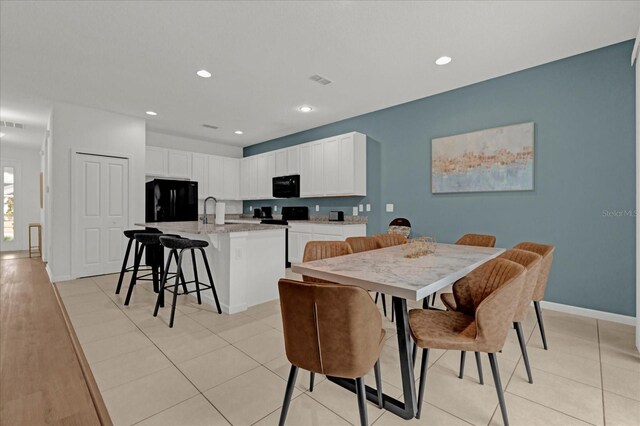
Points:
[[129, 233], [178, 245]]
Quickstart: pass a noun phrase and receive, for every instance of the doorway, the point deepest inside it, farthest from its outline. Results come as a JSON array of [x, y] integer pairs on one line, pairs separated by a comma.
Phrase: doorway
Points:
[[100, 213], [10, 181]]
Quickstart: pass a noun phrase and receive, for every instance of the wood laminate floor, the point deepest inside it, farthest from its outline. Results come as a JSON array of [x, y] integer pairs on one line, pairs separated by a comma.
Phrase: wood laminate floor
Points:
[[41, 381]]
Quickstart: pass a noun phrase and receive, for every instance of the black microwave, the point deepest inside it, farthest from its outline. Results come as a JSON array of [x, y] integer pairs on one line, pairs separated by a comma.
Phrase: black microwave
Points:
[[286, 186]]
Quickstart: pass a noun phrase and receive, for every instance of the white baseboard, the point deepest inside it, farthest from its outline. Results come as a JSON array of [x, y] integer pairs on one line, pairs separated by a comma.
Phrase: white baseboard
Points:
[[56, 279], [590, 313]]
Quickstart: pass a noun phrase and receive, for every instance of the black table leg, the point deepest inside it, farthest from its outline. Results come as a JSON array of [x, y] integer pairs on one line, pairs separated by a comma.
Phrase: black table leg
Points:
[[406, 409]]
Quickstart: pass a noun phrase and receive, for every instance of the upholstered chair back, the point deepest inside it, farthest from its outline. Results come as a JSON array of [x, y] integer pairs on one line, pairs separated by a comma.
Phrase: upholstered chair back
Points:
[[532, 262], [546, 251], [330, 329], [360, 244], [400, 225], [388, 240], [318, 250], [477, 240]]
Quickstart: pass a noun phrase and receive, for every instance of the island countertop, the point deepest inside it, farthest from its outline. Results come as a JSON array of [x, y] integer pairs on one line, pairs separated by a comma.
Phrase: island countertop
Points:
[[197, 227]]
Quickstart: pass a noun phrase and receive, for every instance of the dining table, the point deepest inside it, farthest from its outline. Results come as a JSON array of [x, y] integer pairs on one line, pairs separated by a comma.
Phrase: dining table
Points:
[[392, 272]]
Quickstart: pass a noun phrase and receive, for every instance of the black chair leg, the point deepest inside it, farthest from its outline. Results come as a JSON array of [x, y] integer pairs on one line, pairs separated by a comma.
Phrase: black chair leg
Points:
[[540, 324], [312, 379], [376, 299], [195, 275], [479, 364], [523, 349], [175, 289], [124, 266], [376, 372], [393, 311], [384, 305], [136, 266], [463, 356], [163, 283], [213, 287], [496, 380], [414, 354], [362, 400], [423, 379], [154, 277], [293, 373]]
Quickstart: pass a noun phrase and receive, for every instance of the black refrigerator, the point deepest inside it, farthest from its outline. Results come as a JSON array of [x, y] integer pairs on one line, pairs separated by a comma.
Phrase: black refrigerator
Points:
[[171, 201]]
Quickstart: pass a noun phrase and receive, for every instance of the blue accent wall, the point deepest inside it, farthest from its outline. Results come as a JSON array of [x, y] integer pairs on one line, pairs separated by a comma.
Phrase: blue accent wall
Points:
[[583, 108]]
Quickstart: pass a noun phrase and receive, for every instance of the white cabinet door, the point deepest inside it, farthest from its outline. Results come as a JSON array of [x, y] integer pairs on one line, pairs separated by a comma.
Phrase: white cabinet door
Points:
[[200, 173], [306, 171], [281, 163], [253, 177], [271, 173], [317, 169], [294, 247], [231, 178], [216, 183], [266, 171], [244, 179], [293, 160], [332, 164], [156, 162], [346, 165], [179, 164]]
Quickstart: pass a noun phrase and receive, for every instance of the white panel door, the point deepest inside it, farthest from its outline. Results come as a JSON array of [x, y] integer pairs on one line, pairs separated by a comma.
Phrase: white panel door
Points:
[[200, 173], [216, 177], [156, 162], [179, 164], [281, 163], [101, 210], [231, 178]]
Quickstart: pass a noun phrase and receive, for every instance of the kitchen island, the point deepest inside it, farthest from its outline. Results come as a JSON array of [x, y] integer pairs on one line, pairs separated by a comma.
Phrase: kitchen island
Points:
[[247, 260]]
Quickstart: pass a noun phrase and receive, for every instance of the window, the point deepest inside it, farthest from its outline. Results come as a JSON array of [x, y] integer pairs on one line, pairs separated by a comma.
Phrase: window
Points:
[[8, 203]]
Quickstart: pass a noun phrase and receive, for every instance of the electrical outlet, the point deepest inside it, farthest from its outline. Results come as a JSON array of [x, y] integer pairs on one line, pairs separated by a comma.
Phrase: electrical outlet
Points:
[[317, 207], [250, 208], [275, 208], [355, 211], [368, 207], [360, 208], [389, 208]]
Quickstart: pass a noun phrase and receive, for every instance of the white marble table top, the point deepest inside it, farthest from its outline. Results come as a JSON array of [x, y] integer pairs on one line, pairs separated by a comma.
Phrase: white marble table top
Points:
[[388, 271]]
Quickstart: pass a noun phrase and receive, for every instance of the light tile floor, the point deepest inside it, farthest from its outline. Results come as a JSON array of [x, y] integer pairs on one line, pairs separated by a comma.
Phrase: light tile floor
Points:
[[231, 369]]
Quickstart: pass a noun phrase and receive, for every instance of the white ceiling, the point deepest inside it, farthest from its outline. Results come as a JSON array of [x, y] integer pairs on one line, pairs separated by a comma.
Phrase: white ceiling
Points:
[[130, 57]]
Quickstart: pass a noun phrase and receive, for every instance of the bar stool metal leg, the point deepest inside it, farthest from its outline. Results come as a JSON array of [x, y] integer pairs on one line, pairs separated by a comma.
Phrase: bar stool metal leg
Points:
[[423, 379], [175, 289], [163, 283], [376, 370], [213, 287], [463, 356], [479, 364], [293, 373], [124, 266], [136, 266], [312, 379], [195, 275]]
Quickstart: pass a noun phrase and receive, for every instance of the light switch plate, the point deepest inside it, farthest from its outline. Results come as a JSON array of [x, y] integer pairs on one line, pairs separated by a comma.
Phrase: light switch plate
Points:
[[250, 208], [317, 207], [275, 208], [355, 211], [360, 208], [368, 207], [389, 208]]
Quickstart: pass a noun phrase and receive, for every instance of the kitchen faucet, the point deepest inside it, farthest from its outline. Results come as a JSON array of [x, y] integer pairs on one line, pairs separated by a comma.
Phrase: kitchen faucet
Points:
[[204, 218]]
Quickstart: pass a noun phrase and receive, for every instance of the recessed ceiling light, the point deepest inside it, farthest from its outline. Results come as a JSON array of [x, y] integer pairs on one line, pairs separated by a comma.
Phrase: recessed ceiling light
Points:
[[152, 113], [443, 60], [203, 74], [238, 132], [1, 135], [305, 108]]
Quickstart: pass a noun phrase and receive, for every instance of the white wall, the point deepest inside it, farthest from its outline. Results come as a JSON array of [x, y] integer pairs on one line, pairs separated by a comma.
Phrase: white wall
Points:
[[194, 145], [27, 192], [94, 131]]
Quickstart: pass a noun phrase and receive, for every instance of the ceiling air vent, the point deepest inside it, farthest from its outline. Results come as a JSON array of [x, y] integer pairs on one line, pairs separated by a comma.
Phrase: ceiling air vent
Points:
[[320, 79], [210, 126], [11, 124]]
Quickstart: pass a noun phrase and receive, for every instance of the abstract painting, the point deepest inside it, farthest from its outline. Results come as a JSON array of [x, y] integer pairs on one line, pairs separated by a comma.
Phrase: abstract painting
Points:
[[498, 159]]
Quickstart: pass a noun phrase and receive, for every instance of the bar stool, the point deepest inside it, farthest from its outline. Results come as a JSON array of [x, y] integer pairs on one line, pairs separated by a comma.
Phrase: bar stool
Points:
[[155, 256], [129, 234], [174, 244]]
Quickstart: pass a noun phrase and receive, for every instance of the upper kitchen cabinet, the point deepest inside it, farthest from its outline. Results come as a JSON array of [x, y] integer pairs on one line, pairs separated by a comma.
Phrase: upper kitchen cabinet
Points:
[[157, 161], [216, 176], [266, 172], [231, 179], [179, 164], [200, 173], [287, 161], [345, 165], [282, 168]]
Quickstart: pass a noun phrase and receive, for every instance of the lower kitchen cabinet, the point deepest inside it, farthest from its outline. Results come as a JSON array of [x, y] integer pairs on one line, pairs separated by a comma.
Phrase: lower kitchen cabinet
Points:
[[301, 233]]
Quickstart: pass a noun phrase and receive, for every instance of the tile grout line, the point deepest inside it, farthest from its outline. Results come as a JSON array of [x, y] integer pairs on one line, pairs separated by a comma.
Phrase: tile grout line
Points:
[[550, 408]]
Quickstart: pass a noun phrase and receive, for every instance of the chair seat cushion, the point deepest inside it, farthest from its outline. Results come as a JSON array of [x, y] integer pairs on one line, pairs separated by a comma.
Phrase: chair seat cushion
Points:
[[182, 243], [148, 237], [129, 233], [443, 329], [448, 301]]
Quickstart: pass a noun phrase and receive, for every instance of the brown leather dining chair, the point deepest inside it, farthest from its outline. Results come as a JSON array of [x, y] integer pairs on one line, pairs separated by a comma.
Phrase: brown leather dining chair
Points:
[[531, 262], [546, 251], [481, 323], [318, 250], [331, 329], [476, 240]]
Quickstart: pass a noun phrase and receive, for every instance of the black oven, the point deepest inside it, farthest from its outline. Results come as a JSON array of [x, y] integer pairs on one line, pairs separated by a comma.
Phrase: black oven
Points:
[[286, 186]]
